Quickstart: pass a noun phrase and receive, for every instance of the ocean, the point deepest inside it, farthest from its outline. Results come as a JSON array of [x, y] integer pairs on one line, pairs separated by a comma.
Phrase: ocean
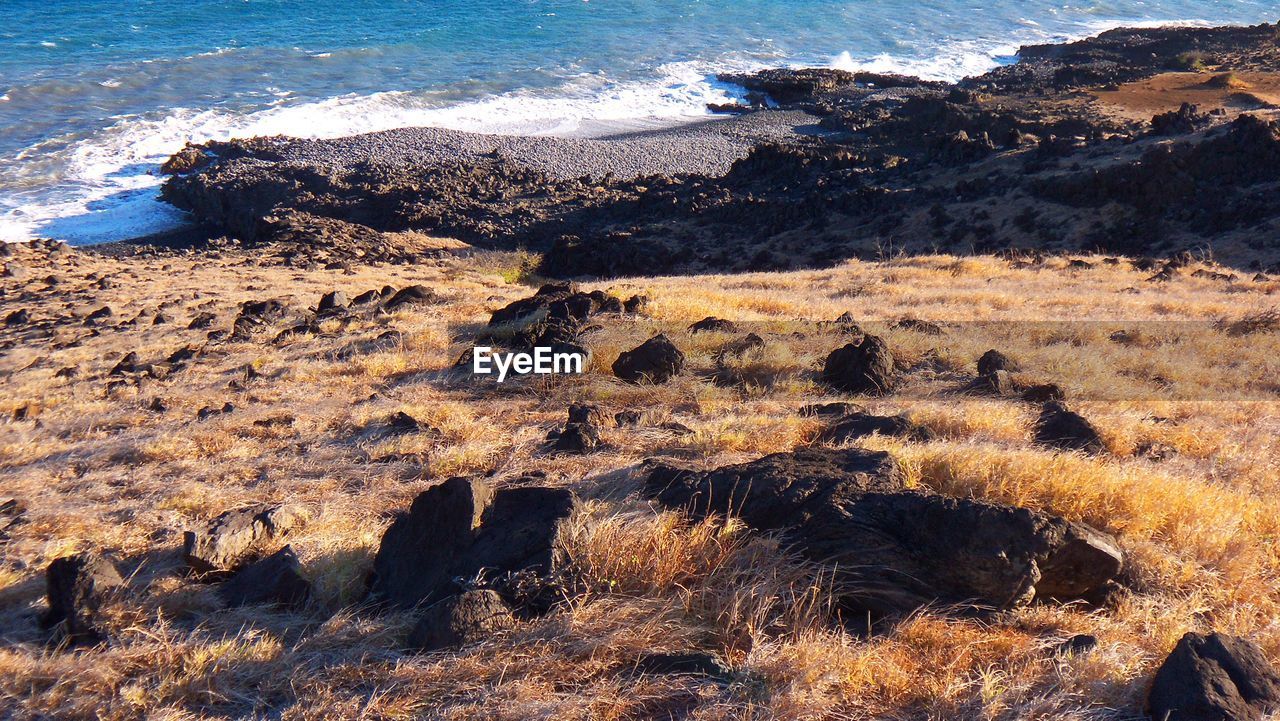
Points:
[[95, 94]]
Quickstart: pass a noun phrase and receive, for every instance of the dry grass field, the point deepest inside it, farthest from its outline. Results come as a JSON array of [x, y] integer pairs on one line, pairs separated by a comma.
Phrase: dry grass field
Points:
[[1188, 402]]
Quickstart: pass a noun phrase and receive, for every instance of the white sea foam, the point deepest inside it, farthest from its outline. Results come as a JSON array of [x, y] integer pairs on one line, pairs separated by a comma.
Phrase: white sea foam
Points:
[[107, 184], [104, 187]]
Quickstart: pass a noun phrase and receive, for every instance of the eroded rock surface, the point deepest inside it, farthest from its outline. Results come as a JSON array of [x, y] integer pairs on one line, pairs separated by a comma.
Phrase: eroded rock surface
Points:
[[897, 549], [234, 536], [1214, 677], [464, 531]]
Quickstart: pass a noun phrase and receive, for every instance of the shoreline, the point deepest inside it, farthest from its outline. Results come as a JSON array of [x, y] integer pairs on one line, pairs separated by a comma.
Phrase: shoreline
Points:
[[130, 204], [818, 165]]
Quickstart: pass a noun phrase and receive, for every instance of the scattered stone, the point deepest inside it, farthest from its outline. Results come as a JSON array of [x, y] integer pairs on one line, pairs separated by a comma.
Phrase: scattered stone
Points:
[[897, 549], [183, 354], [412, 296], [1155, 451], [157, 405], [636, 304], [656, 361], [844, 324], [1186, 119], [12, 514], [98, 315], [526, 307], [919, 326], [577, 438], [230, 538], [366, 298], [1076, 645], [280, 421], [996, 383], [627, 418], [332, 301], [1042, 393], [1214, 677], [76, 587], [1066, 430], [202, 321], [17, 318], [276, 579], [67, 372], [832, 409], [401, 423], [711, 324], [860, 425], [994, 360], [460, 620], [683, 664], [462, 529], [865, 366], [209, 411], [675, 428], [127, 364]]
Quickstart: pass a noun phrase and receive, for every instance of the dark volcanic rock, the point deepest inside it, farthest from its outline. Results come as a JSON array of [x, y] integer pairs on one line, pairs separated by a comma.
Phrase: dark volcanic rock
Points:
[[865, 366], [276, 579], [656, 361], [683, 664], [459, 620], [830, 410], [232, 537], [525, 307], [996, 383], [1214, 677], [1069, 431], [12, 514], [578, 438], [581, 434], [17, 318], [463, 529], [994, 360], [1042, 393], [202, 321], [100, 314], [1184, 120], [76, 587], [713, 324], [127, 364], [333, 300], [898, 161], [897, 549], [788, 86], [411, 296], [860, 425]]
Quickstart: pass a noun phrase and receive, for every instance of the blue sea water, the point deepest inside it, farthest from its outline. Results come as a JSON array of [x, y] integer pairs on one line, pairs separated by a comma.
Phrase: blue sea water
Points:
[[94, 94]]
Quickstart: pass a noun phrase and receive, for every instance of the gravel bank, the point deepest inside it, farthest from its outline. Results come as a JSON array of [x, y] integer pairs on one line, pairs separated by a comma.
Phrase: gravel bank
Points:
[[706, 147]]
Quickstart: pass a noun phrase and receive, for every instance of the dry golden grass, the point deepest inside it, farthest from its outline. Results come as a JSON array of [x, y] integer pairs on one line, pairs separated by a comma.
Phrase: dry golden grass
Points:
[[99, 469]]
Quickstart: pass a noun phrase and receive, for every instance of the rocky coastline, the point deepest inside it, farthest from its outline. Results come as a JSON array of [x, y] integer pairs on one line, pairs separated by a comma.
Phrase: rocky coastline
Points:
[[1057, 152]]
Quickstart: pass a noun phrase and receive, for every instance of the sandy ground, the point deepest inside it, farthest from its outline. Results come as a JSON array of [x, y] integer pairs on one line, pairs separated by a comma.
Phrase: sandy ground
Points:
[[1233, 93]]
